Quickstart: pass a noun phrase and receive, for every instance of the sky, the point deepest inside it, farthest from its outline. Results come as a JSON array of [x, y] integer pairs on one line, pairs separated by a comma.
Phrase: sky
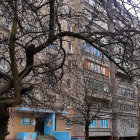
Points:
[[135, 9]]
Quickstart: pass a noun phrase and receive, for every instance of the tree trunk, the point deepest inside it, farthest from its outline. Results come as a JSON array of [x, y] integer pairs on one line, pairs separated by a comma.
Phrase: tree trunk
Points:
[[4, 119], [87, 131], [138, 134]]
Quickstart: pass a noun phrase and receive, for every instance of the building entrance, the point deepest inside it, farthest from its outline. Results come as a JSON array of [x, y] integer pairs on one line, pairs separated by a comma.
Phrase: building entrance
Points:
[[39, 127]]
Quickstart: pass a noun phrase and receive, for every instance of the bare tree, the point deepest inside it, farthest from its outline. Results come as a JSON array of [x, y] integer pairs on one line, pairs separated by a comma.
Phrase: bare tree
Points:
[[29, 28], [86, 98]]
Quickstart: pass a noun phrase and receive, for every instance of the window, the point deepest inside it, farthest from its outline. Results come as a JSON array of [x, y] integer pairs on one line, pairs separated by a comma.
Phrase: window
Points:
[[68, 124], [55, 28], [69, 47], [3, 46], [126, 108], [102, 70], [133, 109], [100, 54], [123, 91], [122, 80], [69, 11], [132, 94], [3, 65], [88, 14], [102, 24], [97, 106], [26, 121], [53, 46], [96, 52], [119, 106], [68, 104], [93, 124], [106, 58], [87, 48], [91, 66], [90, 49], [104, 123], [100, 87], [123, 107], [93, 50], [97, 68], [129, 108], [124, 123], [127, 93], [6, 22], [132, 124], [91, 2], [118, 91], [69, 27], [95, 85], [31, 27], [51, 79], [127, 123], [106, 108], [106, 88]]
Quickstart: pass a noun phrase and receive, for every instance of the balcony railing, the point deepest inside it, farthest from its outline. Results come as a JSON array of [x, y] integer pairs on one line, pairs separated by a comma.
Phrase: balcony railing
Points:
[[100, 132]]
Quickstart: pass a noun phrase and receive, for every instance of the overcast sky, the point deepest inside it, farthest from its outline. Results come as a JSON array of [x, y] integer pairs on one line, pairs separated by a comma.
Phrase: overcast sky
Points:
[[136, 4]]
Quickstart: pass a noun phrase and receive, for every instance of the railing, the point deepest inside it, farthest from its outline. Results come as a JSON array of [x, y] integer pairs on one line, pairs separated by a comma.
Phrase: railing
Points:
[[93, 132], [100, 130]]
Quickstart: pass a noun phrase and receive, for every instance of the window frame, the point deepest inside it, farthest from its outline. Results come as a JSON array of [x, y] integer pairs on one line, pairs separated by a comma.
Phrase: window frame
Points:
[[23, 121], [93, 124], [104, 123]]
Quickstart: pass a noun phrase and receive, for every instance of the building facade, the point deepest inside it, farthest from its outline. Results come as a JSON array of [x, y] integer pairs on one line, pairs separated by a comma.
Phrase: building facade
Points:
[[105, 126], [122, 125], [31, 120]]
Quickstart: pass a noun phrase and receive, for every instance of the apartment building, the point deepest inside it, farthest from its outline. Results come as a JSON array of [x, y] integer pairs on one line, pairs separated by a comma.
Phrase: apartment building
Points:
[[124, 124], [98, 68]]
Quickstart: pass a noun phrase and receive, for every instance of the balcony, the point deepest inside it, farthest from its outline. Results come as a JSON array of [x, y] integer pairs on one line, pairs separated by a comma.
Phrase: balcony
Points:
[[94, 132]]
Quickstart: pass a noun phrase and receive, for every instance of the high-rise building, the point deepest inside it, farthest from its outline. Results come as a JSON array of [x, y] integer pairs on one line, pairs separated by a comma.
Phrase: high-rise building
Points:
[[114, 97], [123, 99]]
